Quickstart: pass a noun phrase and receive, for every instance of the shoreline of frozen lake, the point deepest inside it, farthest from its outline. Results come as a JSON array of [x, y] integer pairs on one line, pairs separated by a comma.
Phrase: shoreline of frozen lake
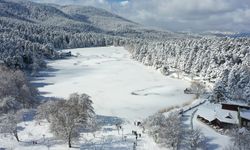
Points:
[[111, 78]]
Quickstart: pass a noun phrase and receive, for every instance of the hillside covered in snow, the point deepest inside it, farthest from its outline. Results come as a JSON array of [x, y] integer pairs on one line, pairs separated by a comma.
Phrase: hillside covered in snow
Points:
[[32, 31]]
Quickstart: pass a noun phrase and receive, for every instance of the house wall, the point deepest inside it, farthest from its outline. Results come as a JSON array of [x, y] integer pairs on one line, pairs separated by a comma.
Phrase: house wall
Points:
[[244, 122], [217, 123], [229, 107], [223, 124], [233, 107]]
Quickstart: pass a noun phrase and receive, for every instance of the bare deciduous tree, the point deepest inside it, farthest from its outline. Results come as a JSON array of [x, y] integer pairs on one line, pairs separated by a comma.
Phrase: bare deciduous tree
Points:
[[9, 122], [45, 110], [68, 117]]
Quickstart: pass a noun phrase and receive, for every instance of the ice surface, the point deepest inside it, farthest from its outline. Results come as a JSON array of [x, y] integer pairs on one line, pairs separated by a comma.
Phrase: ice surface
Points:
[[118, 85]]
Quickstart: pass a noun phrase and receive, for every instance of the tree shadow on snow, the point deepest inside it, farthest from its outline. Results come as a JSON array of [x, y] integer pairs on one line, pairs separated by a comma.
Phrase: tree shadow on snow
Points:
[[108, 120], [211, 145], [46, 72], [38, 80], [29, 115], [19, 128], [48, 142], [40, 84], [108, 143], [107, 129]]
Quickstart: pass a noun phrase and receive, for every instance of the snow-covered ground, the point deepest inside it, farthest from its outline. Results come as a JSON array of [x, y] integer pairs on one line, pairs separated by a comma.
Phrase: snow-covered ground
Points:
[[119, 87]]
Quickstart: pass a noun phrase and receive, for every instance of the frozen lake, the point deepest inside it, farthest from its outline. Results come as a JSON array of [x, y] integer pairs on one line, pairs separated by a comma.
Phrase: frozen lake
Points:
[[118, 85]]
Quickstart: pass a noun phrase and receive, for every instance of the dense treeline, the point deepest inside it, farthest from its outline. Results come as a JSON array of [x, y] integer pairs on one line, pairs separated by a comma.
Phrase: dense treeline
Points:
[[225, 61], [26, 45], [31, 32]]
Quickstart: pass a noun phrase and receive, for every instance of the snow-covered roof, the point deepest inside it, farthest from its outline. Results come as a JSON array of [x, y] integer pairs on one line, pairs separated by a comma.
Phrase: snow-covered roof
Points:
[[245, 113], [213, 111], [227, 116], [206, 113]]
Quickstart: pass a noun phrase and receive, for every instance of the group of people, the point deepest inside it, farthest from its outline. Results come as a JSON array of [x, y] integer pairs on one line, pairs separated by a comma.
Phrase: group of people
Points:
[[135, 133], [136, 138]]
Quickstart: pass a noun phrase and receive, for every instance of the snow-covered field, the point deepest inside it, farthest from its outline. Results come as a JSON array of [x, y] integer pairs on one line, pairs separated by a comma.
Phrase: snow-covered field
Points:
[[119, 87]]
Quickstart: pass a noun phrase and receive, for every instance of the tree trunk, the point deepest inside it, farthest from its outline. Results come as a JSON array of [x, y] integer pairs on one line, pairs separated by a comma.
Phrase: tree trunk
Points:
[[69, 136], [69, 141], [16, 136]]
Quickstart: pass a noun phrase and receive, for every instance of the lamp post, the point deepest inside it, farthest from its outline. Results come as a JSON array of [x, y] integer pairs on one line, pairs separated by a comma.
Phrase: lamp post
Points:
[[44, 138]]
